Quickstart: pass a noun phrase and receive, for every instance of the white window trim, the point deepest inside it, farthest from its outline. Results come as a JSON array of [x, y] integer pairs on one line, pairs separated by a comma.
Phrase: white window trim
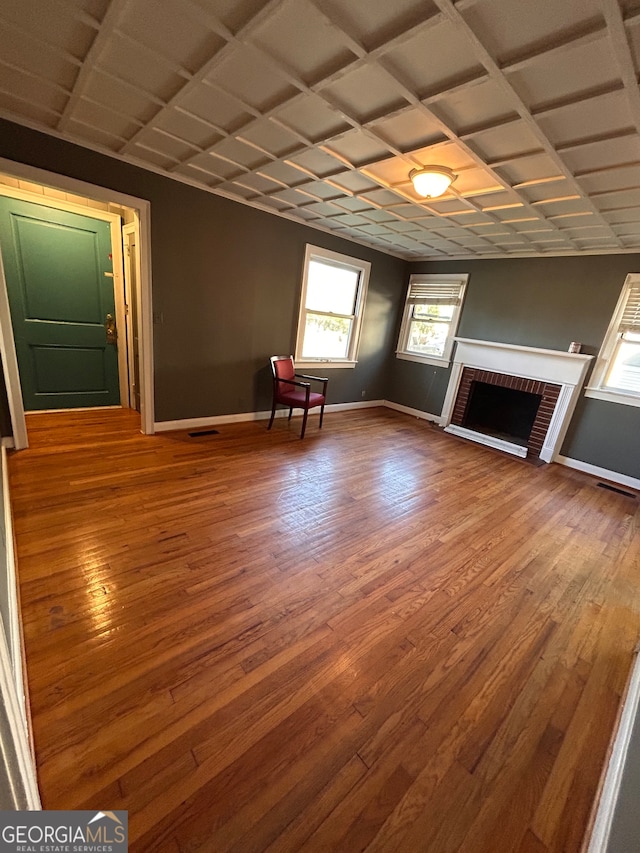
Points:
[[596, 389], [364, 267], [445, 359]]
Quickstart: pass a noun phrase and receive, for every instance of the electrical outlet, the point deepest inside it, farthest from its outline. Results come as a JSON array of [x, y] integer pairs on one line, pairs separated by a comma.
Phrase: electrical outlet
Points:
[[363, 393]]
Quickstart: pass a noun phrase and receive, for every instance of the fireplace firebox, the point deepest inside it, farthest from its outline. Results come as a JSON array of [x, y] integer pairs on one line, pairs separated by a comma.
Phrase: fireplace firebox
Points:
[[502, 412]]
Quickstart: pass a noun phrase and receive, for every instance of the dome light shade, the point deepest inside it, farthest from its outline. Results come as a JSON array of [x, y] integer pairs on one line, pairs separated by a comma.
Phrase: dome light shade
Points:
[[432, 181]]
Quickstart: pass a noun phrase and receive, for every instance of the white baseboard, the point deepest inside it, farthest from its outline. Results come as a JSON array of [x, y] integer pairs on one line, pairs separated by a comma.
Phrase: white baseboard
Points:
[[215, 420], [358, 404], [8, 442], [212, 420], [602, 473], [416, 413], [615, 768]]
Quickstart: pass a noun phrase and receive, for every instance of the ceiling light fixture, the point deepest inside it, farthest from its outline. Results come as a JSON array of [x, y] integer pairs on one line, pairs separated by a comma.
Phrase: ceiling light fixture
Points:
[[432, 181]]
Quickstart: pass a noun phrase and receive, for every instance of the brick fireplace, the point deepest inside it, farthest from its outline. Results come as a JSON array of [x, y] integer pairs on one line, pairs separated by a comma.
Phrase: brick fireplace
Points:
[[547, 391], [547, 382]]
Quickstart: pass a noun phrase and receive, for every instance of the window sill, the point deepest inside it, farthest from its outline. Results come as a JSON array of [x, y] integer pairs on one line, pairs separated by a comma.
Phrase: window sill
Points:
[[424, 359], [612, 396], [325, 365]]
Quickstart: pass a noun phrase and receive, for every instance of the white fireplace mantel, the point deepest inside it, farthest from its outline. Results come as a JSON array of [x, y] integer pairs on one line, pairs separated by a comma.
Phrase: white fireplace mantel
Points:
[[562, 368]]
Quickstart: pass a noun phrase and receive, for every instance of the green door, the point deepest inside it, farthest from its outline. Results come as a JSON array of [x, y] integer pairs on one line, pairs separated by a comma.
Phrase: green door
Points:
[[59, 279]]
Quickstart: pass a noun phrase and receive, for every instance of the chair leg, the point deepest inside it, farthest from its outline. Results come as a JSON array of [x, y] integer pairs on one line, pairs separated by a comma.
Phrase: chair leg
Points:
[[290, 412], [304, 422], [273, 414], [321, 416]]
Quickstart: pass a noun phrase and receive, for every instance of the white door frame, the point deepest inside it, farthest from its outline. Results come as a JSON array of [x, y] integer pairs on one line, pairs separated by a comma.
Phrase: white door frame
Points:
[[131, 271], [142, 210]]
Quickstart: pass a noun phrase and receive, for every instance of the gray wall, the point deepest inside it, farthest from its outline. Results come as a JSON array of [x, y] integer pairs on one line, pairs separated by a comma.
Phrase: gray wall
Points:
[[540, 302], [226, 286]]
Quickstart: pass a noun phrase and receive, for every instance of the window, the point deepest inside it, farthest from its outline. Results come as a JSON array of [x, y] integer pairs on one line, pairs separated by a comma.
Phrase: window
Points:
[[334, 288], [616, 376], [430, 319]]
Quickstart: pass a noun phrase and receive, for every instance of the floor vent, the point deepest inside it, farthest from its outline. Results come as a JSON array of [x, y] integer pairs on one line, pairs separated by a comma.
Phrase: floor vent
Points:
[[204, 432], [615, 489]]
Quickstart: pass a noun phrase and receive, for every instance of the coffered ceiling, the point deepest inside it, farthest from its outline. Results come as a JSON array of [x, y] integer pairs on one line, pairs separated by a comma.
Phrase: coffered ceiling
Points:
[[318, 109]]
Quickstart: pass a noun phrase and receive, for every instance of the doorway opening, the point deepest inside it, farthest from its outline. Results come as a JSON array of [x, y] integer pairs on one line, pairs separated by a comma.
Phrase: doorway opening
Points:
[[128, 221]]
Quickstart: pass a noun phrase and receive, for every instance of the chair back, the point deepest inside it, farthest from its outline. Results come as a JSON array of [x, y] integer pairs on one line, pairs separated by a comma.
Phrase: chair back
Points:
[[282, 367]]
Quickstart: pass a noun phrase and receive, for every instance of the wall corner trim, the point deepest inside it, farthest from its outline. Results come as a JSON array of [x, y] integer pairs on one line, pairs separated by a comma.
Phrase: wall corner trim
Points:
[[18, 776], [596, 471]]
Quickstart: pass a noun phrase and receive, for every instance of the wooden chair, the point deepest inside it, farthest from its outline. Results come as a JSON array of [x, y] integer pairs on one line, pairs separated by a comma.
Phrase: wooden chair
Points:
[[288, 391]]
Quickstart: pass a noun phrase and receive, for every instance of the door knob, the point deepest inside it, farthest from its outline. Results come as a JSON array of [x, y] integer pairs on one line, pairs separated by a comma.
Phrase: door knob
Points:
[[110, 326]]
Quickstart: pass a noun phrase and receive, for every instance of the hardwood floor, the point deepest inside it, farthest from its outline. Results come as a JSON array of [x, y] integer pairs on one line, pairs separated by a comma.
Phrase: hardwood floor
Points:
[[380, 638]]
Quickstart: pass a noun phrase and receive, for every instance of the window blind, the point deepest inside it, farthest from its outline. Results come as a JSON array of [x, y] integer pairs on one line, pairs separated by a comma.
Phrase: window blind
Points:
[[434, 293], [630, 321]]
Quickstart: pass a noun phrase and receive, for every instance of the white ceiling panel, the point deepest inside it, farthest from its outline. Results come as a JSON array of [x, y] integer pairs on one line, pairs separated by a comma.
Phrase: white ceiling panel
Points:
[[357, 147], [107, 119], [312, 118], [271, 137], [598, 115], [250, 78], [110, 141], [365, 93], [111, 92], [235, 151], [27, 55], [187, 126], [609, 180], [303, 40], [26, 88], [510, 29], [618, 200], [318, 110], [139, 68], [215, 106], [410, 129], [601, 154], [378, 21], [172, 30], [51, 23], [234, 15], [353, 182], [433, 58], [474, 107], [566, 73]]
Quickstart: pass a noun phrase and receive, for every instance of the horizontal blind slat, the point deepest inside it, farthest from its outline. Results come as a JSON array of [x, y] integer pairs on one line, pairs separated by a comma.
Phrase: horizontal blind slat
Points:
[[434, 294], [630, 321]]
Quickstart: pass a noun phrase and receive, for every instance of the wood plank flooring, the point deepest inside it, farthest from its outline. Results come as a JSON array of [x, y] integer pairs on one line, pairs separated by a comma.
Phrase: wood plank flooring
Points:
[[380, 638]]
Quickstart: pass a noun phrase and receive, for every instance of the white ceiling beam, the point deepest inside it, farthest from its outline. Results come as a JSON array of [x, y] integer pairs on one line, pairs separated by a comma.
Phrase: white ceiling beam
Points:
[[100, 42], [622, 56]]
